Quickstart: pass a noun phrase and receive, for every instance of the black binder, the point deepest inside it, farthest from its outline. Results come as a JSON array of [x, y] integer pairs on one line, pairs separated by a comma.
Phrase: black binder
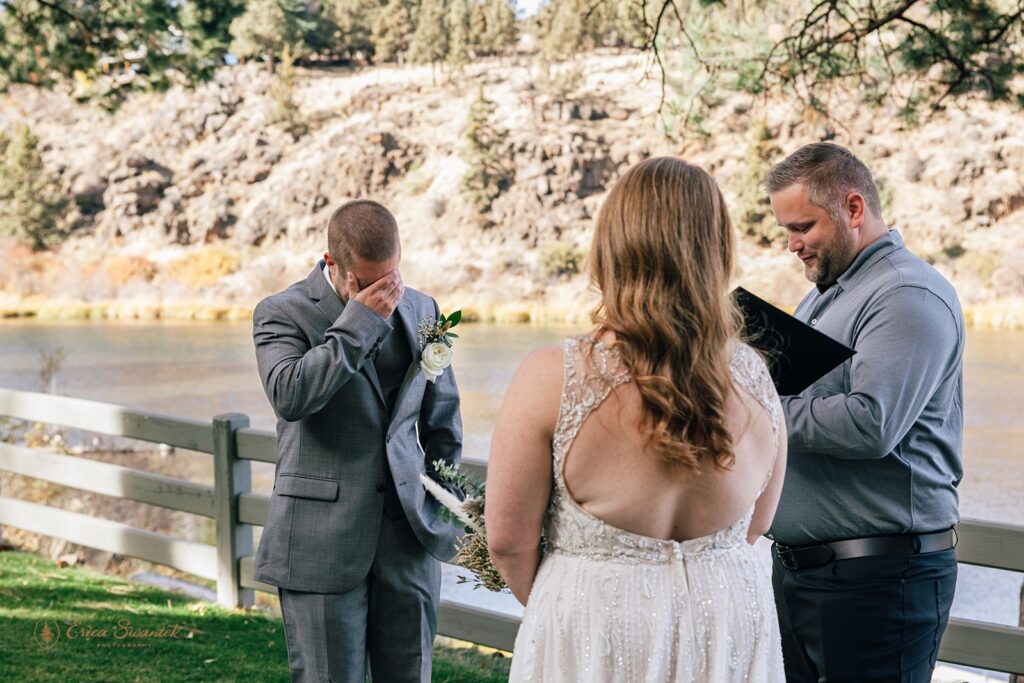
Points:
[[797, 354]]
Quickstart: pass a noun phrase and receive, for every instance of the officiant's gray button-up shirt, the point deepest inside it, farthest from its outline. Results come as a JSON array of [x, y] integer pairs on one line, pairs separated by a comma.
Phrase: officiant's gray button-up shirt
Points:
[[875, 445]]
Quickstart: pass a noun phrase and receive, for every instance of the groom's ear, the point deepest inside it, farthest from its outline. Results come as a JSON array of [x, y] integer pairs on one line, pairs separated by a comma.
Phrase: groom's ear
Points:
[[328, 259]]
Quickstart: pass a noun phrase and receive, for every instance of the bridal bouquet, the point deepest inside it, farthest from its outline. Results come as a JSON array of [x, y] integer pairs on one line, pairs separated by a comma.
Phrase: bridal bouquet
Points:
[[472, 548]]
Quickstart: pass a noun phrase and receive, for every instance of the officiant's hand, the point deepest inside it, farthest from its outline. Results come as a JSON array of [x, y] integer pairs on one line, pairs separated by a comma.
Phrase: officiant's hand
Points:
[[381, 296]]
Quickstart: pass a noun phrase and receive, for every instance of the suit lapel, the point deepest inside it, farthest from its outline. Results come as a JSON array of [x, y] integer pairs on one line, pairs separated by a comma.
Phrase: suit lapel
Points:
[[409, 324], [331, 306], [407, 321]]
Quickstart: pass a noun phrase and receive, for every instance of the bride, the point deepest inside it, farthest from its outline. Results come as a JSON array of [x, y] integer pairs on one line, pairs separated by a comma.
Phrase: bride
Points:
[[650, 453]]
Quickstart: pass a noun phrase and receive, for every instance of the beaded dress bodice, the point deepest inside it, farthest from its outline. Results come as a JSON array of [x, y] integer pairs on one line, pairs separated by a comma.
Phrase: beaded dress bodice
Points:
[[592, 371]]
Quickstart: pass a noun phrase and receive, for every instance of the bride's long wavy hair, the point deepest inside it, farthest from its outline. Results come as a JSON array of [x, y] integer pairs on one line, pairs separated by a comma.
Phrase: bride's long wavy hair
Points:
[[662, 257]]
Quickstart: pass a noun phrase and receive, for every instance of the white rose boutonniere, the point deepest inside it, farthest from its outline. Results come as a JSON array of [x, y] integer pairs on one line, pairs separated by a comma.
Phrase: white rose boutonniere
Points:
[[436, 340], [436, 357]]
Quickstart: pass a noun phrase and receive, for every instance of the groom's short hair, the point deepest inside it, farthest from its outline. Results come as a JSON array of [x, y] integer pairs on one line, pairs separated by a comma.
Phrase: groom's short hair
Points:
[[830, 172], [364, 229]]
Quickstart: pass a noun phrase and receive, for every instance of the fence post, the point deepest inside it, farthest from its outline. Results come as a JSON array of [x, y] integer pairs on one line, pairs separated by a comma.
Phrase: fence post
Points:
[[231, 477]]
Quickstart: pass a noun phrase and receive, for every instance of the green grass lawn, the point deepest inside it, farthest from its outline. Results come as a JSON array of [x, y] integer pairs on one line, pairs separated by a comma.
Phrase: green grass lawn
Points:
[[73, 624]]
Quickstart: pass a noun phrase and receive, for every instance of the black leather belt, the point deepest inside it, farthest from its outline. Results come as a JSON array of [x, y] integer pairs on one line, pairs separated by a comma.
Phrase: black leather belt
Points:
[[807, 556]]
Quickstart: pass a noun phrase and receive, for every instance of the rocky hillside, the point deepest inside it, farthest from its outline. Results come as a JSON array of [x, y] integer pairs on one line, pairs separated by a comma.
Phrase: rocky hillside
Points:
[[193, 203]]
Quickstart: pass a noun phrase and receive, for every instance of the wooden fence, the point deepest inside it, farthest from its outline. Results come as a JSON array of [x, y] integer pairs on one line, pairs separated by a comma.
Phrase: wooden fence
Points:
[[236, 510]]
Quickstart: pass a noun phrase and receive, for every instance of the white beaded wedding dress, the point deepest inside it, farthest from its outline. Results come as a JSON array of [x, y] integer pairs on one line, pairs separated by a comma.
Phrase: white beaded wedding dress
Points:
[[609, 605]]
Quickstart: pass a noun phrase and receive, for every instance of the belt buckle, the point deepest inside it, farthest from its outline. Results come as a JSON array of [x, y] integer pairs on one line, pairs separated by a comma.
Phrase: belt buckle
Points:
[[785, 554]]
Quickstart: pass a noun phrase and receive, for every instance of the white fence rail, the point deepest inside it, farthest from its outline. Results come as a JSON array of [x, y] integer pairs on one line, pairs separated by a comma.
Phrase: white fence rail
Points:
[[236, 510]]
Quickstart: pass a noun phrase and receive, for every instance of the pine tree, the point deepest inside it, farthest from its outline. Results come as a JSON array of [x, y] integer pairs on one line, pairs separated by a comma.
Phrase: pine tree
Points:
[[500, 35], [914, 54], [560, 29], [31, 205], [566, 26], [392, 31], [477, 28], [352, 21], [487, 176], [267, 26], [628, 27], [458, 33], [206, 26], [110, 47], [284, 110], [429, 43]]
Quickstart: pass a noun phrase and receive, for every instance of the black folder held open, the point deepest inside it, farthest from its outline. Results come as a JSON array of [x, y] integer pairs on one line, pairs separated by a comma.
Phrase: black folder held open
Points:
[[797, 354]]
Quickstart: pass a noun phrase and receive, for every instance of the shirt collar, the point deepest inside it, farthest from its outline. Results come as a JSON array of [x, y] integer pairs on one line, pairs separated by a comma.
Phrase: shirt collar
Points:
[[868, 256], [328, 276]]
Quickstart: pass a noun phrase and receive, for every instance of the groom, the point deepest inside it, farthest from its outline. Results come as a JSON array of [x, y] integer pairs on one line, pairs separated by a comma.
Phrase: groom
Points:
[[350, 540]]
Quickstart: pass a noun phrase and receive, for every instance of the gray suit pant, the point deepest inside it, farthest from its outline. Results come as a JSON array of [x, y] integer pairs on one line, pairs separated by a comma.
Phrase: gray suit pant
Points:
[[390, 618]]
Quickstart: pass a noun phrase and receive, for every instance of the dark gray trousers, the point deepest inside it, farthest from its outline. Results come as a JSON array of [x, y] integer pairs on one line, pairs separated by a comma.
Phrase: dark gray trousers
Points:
[[389, 619], [865, 619]]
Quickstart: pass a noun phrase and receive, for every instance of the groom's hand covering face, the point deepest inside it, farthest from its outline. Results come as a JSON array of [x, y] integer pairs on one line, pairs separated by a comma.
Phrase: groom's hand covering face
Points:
[[381, 295]]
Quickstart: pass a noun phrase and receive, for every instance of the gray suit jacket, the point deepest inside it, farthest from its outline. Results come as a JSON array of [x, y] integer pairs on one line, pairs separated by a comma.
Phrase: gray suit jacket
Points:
[[335, 436]]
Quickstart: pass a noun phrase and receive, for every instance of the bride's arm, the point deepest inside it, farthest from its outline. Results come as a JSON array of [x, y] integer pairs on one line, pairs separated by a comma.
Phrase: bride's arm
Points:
[[519, 468], [768, 501]]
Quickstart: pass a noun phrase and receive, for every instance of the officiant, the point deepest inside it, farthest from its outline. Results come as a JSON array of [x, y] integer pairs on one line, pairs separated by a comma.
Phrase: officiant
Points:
[[863, 563]]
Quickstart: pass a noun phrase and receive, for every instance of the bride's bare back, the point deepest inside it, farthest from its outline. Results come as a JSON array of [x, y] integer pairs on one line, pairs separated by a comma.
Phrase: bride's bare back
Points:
[[612, 473]]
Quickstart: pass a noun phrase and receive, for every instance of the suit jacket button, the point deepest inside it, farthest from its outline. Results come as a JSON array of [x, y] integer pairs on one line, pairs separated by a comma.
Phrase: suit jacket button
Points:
[[380, 487]]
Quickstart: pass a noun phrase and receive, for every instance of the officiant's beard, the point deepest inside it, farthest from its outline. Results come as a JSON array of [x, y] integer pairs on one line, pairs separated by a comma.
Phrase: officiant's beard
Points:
[[832, 260]]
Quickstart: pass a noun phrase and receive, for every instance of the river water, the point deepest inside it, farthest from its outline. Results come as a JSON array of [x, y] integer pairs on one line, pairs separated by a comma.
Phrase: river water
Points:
[[199, 370]]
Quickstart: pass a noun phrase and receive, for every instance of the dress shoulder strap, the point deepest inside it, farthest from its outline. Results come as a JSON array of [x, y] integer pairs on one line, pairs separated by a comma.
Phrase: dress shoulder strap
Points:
[[592, 370], [750, 372]]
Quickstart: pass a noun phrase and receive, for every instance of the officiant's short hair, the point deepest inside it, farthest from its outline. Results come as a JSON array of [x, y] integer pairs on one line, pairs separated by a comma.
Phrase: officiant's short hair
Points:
[[364, 229], [830, 172]]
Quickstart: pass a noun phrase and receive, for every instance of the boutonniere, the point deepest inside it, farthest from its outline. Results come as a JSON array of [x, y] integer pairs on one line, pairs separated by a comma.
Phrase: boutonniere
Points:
[[436, 344]]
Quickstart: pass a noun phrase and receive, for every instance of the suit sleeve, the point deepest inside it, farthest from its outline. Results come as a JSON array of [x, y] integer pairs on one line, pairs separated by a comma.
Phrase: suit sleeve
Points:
[[441, 419], [906, 346], [300, 379]]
